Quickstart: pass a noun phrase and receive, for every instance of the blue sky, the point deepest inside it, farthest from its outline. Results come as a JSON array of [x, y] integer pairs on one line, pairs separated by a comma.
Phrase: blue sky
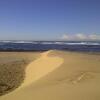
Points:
[[49, 19]]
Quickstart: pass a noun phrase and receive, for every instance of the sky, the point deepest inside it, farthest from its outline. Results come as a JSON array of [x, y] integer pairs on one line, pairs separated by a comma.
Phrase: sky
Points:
[[49, 19]]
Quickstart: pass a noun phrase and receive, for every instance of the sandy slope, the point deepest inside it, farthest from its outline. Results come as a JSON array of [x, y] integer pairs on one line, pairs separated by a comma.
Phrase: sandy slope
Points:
[[41, 67], [77, 78]]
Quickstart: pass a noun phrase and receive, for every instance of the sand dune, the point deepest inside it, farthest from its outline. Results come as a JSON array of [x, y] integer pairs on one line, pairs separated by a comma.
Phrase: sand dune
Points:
[[41, 67], [58, 75]]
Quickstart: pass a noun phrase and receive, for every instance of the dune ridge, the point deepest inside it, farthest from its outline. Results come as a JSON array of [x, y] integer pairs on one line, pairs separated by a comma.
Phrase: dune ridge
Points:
[[41, 67]]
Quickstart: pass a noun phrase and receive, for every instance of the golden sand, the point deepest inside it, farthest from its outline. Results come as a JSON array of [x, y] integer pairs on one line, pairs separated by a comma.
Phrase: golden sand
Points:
[[58, 75], [41, 67]]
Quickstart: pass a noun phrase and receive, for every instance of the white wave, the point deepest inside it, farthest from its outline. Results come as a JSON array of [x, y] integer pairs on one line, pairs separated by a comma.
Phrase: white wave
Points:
[[71, 43], [93, 44], [52, 42], [20, 42], [60, 43], [5, 41], [46, 43], [11, 41], [78, 43]]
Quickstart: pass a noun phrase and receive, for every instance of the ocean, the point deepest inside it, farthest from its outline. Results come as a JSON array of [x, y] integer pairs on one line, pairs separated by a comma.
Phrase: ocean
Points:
[[84, 46]]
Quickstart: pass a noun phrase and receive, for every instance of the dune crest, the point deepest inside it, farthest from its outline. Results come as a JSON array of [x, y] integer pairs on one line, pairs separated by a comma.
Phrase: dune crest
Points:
[[41, 67]]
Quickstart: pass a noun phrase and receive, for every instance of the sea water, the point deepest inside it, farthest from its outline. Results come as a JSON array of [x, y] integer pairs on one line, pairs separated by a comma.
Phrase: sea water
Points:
[[84, 46]]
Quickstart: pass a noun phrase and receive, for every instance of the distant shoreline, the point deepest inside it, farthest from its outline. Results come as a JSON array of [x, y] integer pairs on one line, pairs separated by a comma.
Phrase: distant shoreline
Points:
[[93, 52]]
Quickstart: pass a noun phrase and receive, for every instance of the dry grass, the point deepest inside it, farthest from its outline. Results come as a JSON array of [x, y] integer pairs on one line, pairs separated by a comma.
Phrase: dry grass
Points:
[[12, 69]]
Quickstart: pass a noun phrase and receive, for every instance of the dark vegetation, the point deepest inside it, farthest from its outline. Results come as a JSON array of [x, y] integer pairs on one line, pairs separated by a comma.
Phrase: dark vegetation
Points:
[[11, 75]]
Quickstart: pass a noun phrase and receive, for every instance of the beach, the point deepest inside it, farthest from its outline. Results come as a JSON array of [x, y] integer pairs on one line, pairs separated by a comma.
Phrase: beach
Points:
[[49, 75]]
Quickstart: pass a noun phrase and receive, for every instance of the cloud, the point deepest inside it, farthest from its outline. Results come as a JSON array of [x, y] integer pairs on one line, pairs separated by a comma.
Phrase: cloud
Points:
[[80, 36], [94, 37], [65, 37]]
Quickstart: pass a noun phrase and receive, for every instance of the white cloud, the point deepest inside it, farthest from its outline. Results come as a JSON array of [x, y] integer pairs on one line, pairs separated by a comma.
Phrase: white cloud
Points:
[[94, 37], [65, 37], [80, 36]]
